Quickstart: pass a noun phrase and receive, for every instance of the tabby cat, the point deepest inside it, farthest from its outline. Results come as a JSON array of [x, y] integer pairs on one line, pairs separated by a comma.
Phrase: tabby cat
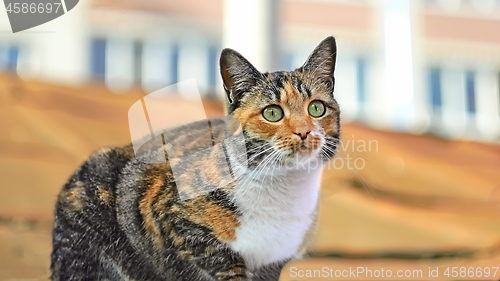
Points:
[[120, 216]]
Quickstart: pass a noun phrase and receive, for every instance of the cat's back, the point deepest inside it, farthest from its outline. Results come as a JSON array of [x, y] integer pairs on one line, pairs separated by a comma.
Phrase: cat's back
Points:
[[92, 188], [94, 185]]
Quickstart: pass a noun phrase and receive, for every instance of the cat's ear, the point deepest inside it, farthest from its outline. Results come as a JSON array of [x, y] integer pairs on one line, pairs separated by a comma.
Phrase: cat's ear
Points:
[[321, 62], [238, 75]]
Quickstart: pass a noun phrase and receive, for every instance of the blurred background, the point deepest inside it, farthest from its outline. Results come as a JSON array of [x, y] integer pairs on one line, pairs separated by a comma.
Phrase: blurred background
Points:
[[417, 181]]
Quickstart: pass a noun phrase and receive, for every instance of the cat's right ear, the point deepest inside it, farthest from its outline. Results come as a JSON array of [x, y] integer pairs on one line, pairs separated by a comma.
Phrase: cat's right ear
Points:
[[238, 74], [320, 64]]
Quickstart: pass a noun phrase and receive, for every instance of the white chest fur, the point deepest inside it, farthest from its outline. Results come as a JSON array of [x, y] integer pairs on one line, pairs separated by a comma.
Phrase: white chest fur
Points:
[[277, 212]]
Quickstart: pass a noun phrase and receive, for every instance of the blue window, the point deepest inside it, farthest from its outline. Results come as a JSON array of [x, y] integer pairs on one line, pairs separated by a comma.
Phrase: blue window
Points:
[[12, 55], [174, 66], [98, 58], [470, 91], [8, 58], [435, 88], [361, 80]]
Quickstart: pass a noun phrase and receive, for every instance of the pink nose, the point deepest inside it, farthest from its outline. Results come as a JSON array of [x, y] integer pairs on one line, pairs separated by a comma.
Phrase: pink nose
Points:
[[302, 133]]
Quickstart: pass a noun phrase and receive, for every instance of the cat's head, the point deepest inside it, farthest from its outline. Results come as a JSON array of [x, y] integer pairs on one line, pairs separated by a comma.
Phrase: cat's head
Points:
[[290, 115]]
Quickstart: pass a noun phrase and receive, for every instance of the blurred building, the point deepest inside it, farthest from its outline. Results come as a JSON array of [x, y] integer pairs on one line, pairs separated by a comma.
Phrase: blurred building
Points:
[[419, 66]]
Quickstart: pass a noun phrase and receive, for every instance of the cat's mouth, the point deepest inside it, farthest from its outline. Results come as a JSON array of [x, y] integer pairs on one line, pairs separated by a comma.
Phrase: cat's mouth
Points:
[[303, 149], [300, 149]]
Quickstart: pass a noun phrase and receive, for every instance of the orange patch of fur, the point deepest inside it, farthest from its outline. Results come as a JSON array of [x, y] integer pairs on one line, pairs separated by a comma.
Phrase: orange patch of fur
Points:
[[223, 221], [245, 115], [146, 204]]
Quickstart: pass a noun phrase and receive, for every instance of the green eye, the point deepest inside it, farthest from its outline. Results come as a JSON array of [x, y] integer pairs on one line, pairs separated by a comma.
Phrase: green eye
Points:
[[316, 108], [273, 113]]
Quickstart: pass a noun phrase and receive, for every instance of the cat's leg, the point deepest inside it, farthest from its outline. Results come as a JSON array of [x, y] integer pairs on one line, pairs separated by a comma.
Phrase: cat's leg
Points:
[[209, 257], [269, 272], [206, 263], [225, 265], [177, 268]]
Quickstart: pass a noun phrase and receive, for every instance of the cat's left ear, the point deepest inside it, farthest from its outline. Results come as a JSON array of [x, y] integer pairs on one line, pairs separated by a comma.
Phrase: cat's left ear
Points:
[[321, 62], [238, 74]]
